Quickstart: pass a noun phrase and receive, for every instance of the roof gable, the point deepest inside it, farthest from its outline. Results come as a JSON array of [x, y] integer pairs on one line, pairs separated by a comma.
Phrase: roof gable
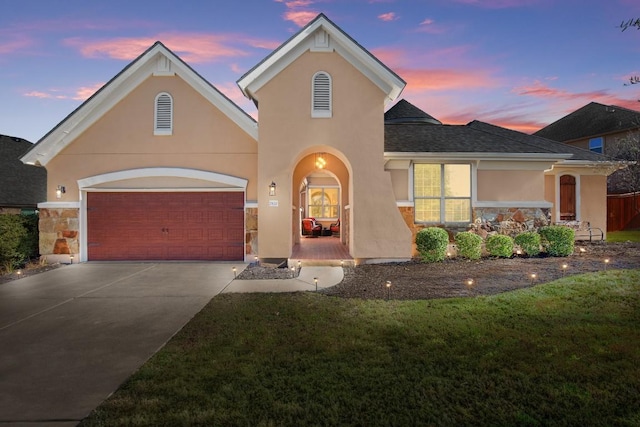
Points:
[[321, 35], [158, 60], [592, 120]]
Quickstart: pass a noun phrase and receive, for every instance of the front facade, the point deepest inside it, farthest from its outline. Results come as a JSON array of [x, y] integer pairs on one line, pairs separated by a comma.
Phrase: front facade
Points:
[[158, 164]]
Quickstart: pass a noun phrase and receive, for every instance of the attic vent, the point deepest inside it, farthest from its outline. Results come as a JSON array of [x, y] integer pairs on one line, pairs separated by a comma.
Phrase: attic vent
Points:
[[321, 95], [163, 114]]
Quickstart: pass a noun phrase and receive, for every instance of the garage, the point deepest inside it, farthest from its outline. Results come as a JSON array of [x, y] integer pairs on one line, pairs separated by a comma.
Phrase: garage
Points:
[[138, 226]]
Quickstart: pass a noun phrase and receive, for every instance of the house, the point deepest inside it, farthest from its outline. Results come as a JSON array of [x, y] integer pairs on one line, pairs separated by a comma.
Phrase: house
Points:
[[598, 128], [158, 164], [22, 186]]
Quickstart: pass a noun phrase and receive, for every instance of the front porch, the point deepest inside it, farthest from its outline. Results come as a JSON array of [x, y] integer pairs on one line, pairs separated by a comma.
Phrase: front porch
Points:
[[323, 250]]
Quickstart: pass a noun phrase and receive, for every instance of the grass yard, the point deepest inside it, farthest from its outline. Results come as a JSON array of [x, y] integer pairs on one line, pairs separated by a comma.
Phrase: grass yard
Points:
[[564, 353], [623, 236]]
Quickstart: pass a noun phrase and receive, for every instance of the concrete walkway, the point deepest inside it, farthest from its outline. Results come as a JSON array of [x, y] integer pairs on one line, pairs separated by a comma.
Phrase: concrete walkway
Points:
[[71, 336], [324, 277]]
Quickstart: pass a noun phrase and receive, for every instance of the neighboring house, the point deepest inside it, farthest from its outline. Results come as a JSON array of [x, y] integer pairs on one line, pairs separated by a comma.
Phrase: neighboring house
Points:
[[22, 186], [598, 128], [158, 164]]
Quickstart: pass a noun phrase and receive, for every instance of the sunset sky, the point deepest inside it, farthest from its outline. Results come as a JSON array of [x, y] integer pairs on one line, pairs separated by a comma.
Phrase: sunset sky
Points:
[[521, 64]]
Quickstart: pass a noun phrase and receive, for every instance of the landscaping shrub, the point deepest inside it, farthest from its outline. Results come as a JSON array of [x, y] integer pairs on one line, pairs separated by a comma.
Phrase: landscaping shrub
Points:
[[499, 245], [557, 240], [529, 242], [432, 243], [469, 245], [18, 239]]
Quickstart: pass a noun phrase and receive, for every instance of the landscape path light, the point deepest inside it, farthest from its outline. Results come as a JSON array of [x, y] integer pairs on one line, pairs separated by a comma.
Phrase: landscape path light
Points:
[[564, 268], [388, 289], [315, 280], [533, 277], [606, 263], [235, 274]]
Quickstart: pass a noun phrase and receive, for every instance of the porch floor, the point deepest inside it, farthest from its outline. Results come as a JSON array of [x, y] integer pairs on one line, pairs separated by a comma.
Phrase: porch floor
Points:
[[320, 248]]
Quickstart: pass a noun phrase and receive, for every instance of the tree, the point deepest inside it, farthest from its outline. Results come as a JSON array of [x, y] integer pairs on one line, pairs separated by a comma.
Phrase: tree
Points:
[[633, 22]]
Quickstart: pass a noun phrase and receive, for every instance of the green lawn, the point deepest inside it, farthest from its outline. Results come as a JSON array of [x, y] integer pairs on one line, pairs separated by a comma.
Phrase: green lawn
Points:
[[564, 353], [623, 236]]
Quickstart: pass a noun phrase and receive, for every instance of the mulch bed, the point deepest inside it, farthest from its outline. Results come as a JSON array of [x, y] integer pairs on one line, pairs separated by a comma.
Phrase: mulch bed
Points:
[[450, 278]]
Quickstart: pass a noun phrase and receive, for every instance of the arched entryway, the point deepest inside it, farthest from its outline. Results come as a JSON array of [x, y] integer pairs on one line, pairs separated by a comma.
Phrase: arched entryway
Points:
[[320, 191]]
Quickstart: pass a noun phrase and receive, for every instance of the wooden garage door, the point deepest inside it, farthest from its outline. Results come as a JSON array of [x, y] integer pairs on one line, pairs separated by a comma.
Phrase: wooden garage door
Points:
[[165, 226]]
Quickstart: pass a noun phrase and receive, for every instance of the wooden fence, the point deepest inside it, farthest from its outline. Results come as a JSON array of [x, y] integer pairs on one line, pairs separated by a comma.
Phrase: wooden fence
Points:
[[623, 211]]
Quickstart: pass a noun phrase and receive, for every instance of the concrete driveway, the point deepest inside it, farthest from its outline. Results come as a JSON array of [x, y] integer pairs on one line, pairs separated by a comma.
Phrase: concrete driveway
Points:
[[69, 337]]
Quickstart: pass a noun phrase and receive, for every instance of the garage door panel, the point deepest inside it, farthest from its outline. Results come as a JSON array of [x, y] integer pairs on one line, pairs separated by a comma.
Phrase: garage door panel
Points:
[[171, 226]]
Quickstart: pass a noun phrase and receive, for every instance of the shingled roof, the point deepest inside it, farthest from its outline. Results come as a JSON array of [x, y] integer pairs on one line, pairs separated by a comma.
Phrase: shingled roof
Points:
[[21, 186], [474, 137], [406, 112], [592, 120]]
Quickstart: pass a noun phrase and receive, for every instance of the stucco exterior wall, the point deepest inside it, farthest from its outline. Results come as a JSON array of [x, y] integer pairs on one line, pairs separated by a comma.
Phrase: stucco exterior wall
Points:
[[510, 185], [354, 134], [203, 138], [593, 200], [550, 194]]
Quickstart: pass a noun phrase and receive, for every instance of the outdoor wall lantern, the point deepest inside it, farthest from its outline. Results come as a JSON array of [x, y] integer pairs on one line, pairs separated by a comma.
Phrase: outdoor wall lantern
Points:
[[60, 191], [272, 189]]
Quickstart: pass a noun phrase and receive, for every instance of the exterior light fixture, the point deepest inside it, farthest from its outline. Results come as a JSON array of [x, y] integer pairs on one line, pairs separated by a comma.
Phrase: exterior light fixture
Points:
[[234, 272], [272, 189], [315, 281], [388, 289], [564, 268], [321, 163], [606, 262], [71, 258], [60, 191], [469, 282], [533, 277]]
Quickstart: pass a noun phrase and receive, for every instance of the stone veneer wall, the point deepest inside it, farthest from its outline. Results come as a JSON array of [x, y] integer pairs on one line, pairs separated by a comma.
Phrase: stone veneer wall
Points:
[[251, 227], [58, 231], [509, 221]]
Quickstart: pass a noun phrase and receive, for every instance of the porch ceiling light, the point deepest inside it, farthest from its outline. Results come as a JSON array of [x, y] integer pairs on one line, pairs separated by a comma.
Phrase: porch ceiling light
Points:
[[321, 163], [272, 189]]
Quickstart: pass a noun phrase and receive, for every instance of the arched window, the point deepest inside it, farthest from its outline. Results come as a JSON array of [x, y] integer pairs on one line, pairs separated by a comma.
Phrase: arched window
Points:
[[163, 120], [321, 95]]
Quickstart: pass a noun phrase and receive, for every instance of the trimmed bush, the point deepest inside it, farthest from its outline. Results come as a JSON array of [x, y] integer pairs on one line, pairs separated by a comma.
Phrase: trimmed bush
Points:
[[18, 239], [558, 240], [469, 245], [499, 245], [432, 244], [529, 242]]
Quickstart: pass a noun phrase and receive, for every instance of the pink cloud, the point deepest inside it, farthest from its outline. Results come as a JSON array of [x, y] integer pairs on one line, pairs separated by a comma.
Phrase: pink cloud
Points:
[[300, 17], [429, 26], [540, 90], [13, 42], [80, 94], [387, 17], [445, 79], [292, 4], [193, 48]]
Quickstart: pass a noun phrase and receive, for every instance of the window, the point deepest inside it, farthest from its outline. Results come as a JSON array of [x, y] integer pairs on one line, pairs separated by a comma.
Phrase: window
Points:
[[324, 203], [442, 193], [163, 120], [596, 145], [321, 95]]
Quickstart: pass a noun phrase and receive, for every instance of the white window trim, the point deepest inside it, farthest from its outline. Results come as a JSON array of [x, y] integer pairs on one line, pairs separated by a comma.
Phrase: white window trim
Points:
[[156, 129], [315, 113], [472, 188]]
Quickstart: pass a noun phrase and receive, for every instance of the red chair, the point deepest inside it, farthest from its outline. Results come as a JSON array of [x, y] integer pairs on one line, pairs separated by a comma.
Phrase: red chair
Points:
[[310, 227], [335, 228]]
